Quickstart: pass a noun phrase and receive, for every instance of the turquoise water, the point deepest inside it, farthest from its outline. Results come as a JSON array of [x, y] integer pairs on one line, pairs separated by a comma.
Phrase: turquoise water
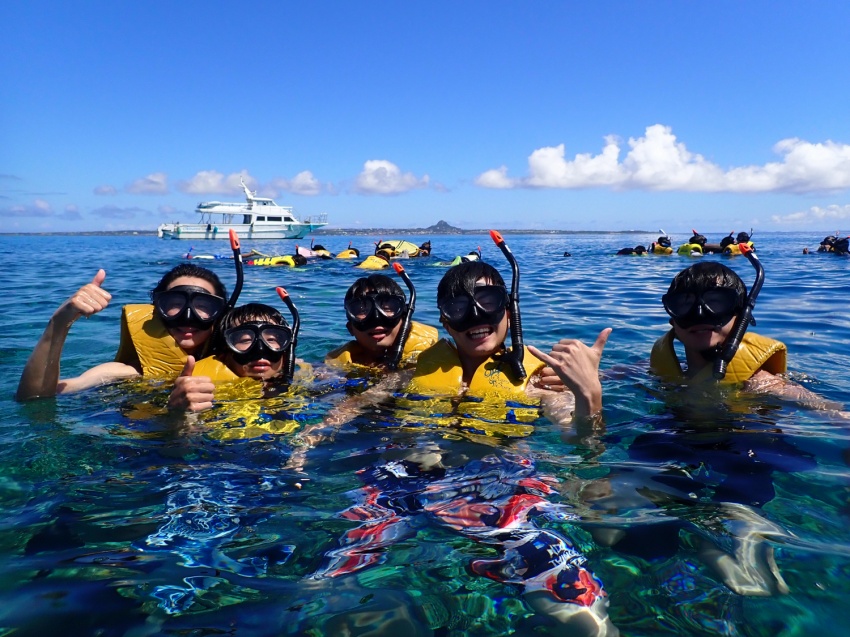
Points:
[[117, 521]]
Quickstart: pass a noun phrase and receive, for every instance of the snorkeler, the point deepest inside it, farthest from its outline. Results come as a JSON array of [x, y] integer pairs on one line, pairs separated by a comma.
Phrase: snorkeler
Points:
[[251, 341], [710, 311], [379, 319], [156, 339]]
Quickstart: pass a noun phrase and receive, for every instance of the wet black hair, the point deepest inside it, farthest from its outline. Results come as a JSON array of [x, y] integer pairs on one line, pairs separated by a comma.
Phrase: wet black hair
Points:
[[699, 239], [664, 242], [247, 313], [374, 284], [190, 269], [461, 279], [709, 274], [742, 237]]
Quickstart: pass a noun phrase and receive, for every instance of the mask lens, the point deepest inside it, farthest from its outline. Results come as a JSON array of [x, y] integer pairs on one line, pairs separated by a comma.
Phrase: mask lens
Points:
[[491, 298], [240, 339], [358, 308], [276, 337], [679, 304], [171, 303], [207, 306], [720, 300], [389, 305], [456, 307]]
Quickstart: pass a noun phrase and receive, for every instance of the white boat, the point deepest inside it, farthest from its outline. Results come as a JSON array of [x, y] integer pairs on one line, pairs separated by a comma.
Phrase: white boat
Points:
[[258, 218]]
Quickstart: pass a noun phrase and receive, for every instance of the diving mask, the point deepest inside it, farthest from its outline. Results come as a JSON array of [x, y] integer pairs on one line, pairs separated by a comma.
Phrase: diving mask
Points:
[[373, 310], [486, 306], [714, 306], [188, 306], [255, 340]]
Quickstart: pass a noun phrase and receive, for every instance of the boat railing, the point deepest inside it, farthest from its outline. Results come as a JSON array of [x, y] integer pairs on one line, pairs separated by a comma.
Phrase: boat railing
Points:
[[321, 217]]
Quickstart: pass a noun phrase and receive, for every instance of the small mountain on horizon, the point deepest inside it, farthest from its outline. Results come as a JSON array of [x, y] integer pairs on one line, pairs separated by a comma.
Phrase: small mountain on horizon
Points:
[[442, 227]]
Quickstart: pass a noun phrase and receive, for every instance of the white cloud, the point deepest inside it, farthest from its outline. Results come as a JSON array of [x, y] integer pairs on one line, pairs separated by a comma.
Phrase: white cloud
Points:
[[304, 183], [153, 184], [105, 190], [381, 177], [659, 162], [815, 214], [209, 182], [40, 208]]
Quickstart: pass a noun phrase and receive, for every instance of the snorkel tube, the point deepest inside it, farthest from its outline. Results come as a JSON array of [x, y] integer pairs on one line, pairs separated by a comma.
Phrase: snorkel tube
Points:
[[517, 351], [394, 358], [289, 371], [730, 347], [240, 274]]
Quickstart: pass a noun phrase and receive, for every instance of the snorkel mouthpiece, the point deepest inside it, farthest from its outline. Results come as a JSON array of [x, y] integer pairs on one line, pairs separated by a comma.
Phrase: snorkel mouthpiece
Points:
[[240, 274], [730, 347], [394, 358], [517, 351], [289, 371]]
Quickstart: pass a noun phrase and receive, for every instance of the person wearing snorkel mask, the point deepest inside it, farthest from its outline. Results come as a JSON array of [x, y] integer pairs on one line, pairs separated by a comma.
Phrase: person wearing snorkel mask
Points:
[[474, 309], [251, 341], [156, 340], [375, 307]]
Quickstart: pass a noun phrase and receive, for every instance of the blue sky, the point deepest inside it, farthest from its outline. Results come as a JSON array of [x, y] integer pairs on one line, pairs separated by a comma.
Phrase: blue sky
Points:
[[718, 116]]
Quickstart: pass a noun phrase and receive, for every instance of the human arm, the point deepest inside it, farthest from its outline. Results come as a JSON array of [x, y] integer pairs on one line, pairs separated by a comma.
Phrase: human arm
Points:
[[40, 378], [577, 366], [191, 393], [763, 382]]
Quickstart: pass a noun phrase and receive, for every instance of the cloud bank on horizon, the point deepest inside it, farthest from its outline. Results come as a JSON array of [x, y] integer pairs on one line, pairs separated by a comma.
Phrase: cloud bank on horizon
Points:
[[655, 162], [659, 162]]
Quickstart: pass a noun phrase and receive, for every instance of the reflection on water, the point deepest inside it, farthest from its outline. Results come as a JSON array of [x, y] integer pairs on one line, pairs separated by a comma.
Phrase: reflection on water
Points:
[[683, 511]]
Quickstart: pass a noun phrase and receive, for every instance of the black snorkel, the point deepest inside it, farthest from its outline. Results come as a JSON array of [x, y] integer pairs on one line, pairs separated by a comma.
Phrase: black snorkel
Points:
[[394, 358], [730, 347], [240, 274], [289, 370], [517, 351]]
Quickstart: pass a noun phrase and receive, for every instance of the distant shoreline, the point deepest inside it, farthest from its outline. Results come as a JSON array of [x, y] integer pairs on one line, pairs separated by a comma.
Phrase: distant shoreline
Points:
[[340, 232]]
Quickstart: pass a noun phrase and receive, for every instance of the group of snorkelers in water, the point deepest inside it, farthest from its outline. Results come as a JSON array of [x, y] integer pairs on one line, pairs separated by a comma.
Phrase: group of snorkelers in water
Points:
[[697, 245], [193, 333]]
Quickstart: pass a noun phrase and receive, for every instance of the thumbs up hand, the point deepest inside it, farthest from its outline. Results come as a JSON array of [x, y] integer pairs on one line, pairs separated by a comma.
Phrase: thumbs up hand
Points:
[[577, 366], [88, 300], [191, 393]]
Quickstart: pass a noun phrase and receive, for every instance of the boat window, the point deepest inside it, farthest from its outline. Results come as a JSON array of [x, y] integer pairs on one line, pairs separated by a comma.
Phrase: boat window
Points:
[[246, 219], [290, 219], [261, 218], [274, 218]]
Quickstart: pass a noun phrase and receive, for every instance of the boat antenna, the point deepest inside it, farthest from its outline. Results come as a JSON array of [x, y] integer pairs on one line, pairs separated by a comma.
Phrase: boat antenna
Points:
[[289, 371], [394, 359], [517, 351], [745, 318], [240, 274]]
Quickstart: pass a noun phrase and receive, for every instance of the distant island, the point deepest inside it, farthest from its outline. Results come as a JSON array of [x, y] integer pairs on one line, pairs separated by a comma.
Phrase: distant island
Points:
[[439, 228]]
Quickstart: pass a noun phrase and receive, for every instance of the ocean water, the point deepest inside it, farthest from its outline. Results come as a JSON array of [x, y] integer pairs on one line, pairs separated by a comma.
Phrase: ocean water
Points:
[[116, 520]]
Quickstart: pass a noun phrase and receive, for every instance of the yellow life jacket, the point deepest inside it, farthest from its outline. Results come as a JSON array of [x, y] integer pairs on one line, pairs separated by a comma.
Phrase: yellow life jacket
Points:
[[735, 248], [421, 338], [495, 404], [755, 353], [688, 249], [146, 341], [395, 248], [286, 260], [349, 253], [660, 249], [243, 409], [373, 262]]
